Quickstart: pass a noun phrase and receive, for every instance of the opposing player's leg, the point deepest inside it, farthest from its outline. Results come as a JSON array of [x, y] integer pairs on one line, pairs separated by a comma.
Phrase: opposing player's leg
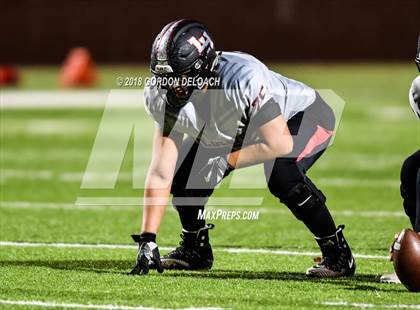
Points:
[[410, 189], [287, 181], [417, 223], [410, 193], [194, 251]]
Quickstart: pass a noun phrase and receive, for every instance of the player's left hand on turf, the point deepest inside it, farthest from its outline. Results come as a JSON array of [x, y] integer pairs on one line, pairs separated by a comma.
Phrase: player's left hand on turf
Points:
[[215, 170], [147, 256]]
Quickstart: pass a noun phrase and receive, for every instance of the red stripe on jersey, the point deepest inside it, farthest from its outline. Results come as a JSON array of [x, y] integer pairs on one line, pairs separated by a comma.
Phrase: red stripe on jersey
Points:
[[320, 136]]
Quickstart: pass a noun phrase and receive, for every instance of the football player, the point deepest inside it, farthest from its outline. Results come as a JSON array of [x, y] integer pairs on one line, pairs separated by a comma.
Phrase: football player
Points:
[[253, 115], [410, 170]]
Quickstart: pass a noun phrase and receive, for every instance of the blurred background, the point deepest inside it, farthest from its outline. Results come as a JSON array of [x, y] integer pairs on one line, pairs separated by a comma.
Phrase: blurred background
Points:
[[42, 32], [121, 32]]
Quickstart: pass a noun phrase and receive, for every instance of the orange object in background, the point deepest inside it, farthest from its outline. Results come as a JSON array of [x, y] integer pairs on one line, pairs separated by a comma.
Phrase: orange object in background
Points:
[[78, 69], [9, 76]]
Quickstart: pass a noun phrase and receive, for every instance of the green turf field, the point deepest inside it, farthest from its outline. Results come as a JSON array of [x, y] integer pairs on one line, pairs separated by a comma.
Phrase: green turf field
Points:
[[258, 264]]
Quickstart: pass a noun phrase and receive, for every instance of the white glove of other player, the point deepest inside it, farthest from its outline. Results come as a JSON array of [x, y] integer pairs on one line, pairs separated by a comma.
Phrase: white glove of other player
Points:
[[215, 170]]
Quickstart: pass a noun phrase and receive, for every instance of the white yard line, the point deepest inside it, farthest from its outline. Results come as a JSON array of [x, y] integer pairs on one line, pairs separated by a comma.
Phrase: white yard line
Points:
[[283, 252], [369, 213], [123, 246], [223, 203], [139, 201], [72, 177], [66, 98], [237, 182], [60, 206], [367, 305], [355, 182], [37, 303], [68, 245]]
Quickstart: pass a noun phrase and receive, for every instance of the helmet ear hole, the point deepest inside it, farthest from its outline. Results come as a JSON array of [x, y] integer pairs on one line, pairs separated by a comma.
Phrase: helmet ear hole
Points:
[[198, 64]]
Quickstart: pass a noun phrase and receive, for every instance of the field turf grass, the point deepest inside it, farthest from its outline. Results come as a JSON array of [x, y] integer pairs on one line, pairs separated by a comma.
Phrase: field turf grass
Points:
[[44, 153]]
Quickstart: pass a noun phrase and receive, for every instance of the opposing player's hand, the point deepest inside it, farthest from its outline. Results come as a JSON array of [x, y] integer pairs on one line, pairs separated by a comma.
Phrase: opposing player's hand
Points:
[[391, 248], [147, 256], [215, 170]]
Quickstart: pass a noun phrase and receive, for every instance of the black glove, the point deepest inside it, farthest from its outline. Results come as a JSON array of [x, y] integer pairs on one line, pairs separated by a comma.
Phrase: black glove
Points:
[[147, 256], [215, 170]]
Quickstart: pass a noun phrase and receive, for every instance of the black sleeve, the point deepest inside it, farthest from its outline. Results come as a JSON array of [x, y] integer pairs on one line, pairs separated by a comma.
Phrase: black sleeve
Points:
[[269, 111], [168, 124]]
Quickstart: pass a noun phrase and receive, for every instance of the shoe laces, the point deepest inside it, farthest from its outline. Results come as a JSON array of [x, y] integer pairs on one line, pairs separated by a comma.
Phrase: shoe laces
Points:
[[334, 262], [189, 244], [185, 249]]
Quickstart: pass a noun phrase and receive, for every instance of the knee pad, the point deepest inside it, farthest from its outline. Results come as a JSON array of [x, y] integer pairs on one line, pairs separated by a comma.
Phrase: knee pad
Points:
[[304, 200]]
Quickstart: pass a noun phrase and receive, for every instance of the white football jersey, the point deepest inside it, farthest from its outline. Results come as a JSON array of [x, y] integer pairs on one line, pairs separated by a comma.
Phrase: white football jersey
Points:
[[249, 95]]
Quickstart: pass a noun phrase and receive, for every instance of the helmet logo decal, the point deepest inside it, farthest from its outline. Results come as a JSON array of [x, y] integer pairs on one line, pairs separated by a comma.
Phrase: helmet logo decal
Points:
[[201, 43]]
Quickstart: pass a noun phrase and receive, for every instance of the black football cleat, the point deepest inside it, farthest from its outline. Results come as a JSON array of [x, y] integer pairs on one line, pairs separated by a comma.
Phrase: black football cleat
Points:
[[337, 259], [193, 253]]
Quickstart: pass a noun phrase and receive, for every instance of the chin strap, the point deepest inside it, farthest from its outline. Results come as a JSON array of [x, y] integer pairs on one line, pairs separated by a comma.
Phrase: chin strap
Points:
[[215, 62]]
